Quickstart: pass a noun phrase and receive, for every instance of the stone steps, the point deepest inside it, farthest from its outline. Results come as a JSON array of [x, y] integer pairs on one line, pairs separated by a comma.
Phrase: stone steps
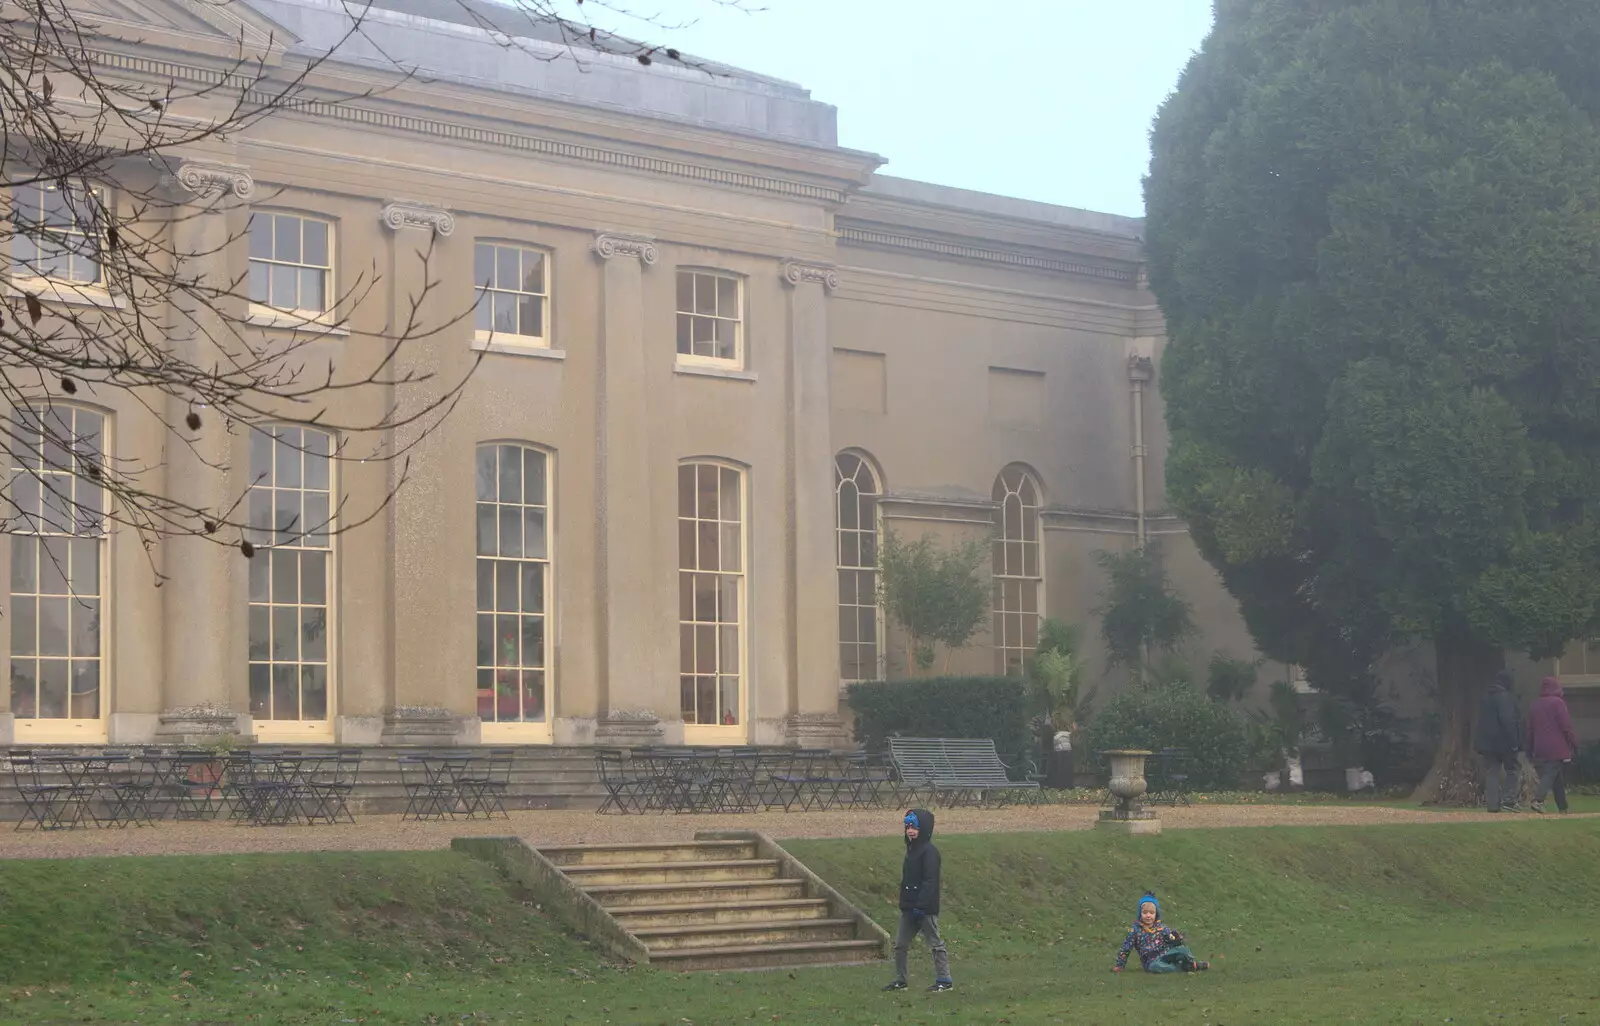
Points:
[[770, 956], [707, 893], [718, 904], [612, 854], [722, 935], [673, 871], [720, 912]]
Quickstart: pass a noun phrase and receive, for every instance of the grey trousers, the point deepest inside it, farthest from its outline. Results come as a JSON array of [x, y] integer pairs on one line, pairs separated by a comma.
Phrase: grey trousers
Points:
[[1501, 775], [1551, 777], [928, 927]]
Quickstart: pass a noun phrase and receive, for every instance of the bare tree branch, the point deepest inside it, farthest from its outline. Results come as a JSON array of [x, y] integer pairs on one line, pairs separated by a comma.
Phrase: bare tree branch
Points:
[[118, 295]]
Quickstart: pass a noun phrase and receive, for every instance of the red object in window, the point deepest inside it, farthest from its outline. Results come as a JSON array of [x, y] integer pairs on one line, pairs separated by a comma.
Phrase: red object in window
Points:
[[727, 718]]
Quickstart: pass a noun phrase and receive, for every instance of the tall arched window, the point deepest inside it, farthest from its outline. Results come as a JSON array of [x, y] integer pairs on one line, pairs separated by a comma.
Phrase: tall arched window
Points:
[[513, 583], [58, 558], [291, 577], [711, 601], [857, 490], [1016, 569]]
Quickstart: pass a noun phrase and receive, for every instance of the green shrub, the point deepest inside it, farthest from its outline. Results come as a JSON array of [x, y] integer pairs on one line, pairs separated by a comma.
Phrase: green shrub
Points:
[[992, 707], [1229, 679], [1174, 715]]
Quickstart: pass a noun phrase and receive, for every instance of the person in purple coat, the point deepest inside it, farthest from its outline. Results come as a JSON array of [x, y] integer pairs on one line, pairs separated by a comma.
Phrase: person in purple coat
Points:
[[1551, 742]]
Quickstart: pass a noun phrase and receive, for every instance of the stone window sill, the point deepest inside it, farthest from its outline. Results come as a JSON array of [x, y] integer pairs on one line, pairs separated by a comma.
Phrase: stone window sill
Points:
[[699, 370], [68, 293], [488, 345], [268, 317]]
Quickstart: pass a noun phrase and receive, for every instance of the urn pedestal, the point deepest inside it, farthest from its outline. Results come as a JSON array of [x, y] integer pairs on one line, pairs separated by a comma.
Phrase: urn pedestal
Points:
[[1127, 785]]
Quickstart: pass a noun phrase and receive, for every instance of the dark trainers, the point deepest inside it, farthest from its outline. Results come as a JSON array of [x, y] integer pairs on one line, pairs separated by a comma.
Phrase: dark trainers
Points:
[[939, 985], [896, 985]]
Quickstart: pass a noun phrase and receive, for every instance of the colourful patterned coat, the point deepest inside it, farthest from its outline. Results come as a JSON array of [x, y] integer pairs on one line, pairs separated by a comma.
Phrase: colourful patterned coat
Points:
[[1150, 942]]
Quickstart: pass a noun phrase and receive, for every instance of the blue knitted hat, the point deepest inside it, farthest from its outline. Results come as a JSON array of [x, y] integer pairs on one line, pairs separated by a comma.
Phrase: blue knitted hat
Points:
[[1148, 899], [911, 820]]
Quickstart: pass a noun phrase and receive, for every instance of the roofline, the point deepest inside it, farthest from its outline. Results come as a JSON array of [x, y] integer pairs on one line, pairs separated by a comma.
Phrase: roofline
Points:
[[927, 194]]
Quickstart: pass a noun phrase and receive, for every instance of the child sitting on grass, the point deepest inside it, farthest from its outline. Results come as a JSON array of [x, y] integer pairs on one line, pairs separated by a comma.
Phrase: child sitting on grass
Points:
[[1160, 950]]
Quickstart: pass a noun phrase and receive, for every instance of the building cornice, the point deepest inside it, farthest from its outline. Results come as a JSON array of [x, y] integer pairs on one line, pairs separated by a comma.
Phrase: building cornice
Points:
[[963, 510], [463, 128], [983, 251], [944, 508], [1063, 309], [1109, 521], [720, 227]]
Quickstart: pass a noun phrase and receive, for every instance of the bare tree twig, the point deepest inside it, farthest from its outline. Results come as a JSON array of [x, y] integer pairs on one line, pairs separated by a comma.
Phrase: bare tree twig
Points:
[[117, 294]]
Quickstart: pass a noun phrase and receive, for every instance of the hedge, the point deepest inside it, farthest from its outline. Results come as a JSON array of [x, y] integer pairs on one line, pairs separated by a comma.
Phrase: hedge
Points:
[[1174, 716], [992, 707]]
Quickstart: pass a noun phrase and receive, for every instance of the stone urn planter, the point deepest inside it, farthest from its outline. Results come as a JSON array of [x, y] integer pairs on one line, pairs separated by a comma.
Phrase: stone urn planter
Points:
[[1127, 785]]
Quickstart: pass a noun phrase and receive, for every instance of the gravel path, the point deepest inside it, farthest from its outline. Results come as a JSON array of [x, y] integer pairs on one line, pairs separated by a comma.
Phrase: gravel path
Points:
[[388, 833]]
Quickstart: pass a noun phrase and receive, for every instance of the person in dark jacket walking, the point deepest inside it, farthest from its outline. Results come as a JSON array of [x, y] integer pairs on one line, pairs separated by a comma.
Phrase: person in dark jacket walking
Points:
[[1551, 742], [919, 902], [1499, 742]]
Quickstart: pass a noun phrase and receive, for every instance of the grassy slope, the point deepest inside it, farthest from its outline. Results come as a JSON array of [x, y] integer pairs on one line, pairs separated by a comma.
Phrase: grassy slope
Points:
[[1385, 924]]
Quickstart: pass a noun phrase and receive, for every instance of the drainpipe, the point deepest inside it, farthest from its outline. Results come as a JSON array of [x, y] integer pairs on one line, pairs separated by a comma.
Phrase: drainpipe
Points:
[[1141, 369]]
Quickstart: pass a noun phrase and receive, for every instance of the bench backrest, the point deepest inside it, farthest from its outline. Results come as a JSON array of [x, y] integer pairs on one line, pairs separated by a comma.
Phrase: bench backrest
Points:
[[954, 760]]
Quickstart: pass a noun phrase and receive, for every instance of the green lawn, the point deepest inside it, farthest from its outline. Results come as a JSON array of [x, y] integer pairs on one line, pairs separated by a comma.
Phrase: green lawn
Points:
[[1391, 799], [1450, 922]]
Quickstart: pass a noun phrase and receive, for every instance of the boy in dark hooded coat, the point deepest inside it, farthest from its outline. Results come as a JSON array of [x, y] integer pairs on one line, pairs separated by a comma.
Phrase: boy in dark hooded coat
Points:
[[919, 902]]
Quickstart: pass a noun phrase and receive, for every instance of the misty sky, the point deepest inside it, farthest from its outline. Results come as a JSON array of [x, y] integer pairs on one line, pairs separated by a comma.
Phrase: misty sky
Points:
[[1043, 99]]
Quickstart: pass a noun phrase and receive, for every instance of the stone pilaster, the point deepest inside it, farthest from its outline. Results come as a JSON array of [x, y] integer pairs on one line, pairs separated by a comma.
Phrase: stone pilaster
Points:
[[815, 730], [813, 627], [200, 724], [203, 688], [399, 214], [419, 681], [632, 692], [421, 725], [621, 728]]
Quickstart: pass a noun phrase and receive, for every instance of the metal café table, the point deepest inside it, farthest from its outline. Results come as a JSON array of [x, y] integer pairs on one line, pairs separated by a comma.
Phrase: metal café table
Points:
[[191, 781], [277, 788], [89, 779], [441, 784]]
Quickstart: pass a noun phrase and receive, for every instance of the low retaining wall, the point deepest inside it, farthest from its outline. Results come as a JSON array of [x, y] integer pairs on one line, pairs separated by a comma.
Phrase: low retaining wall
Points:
[[542, 777]]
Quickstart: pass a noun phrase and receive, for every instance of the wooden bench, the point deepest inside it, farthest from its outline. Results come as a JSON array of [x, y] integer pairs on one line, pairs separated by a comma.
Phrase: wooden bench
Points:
[[954, 769]]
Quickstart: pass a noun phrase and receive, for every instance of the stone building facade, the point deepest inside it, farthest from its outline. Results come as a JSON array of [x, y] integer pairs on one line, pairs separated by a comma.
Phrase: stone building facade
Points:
[[713, 356]]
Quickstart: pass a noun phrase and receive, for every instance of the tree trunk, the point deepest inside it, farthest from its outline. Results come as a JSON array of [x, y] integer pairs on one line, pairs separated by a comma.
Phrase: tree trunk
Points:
[[1464, 668]]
